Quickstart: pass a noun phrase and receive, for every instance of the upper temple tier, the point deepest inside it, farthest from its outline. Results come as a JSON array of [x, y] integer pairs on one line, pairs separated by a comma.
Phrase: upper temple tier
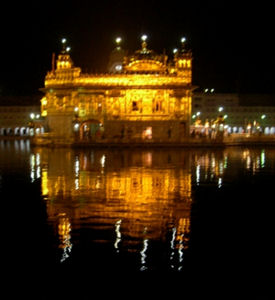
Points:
[[143, 61]]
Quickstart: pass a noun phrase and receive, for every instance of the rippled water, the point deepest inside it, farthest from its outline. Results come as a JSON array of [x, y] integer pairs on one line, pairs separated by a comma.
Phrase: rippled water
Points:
[[184, 211]]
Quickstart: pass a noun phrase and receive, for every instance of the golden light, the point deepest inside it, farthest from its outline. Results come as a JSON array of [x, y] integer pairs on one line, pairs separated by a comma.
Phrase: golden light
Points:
[[44, 101]]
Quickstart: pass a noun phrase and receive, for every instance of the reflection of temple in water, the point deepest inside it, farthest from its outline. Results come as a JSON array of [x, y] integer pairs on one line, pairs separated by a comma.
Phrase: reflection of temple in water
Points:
[[138, 194]]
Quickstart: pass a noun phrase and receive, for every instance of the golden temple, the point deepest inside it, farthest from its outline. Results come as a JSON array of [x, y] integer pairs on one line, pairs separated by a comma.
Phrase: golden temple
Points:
[[145, 98]]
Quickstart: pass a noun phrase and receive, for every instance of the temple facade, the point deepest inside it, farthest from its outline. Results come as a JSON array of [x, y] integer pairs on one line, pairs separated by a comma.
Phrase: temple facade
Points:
[[145, 98]]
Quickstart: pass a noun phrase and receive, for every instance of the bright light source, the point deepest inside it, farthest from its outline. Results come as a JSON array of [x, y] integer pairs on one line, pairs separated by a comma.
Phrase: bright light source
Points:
[[68, 49], [144, 37], [32, 115], [118, 40], [263, 117], [183, 40], [175, 50], [118, 67], [63, 41], [220, 109]]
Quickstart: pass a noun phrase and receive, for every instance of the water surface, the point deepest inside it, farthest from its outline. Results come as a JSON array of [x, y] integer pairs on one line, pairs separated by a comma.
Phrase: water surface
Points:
[[170, 211]]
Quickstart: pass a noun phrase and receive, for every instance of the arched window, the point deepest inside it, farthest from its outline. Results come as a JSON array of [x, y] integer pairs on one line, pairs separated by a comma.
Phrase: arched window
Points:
[[134, 106]]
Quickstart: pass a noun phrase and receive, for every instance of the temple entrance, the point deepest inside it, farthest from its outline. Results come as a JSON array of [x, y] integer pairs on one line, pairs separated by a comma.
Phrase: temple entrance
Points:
[[90, 130]]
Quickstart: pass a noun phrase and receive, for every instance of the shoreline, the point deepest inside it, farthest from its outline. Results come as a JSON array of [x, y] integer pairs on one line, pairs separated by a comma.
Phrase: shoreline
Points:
[[188, 143], [203, 142]]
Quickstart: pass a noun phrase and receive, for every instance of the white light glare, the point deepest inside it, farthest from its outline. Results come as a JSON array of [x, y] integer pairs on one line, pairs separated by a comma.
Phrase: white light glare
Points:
[[118, 40], [144, 37], [183, 40], [118, 67]]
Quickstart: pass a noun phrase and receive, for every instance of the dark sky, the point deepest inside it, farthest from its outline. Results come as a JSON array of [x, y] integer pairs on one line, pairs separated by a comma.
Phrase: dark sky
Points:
[[232, 41]]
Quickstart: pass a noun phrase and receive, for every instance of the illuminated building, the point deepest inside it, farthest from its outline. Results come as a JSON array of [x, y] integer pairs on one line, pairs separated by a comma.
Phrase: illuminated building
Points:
[[146, 98], [19, 121], [241, 112]]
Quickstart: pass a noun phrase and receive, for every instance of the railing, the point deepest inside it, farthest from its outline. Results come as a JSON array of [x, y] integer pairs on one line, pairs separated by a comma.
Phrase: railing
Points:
[[147, 80]]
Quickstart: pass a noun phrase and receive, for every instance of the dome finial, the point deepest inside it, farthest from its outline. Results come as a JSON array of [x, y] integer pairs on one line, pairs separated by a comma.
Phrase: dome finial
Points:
[[65, 48], [144, 44], [118, 41], [63, 41], [183, 40]]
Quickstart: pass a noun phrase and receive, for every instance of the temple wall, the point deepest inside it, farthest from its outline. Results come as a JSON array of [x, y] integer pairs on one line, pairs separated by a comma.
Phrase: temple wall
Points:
[[60, 124], [155, 131]]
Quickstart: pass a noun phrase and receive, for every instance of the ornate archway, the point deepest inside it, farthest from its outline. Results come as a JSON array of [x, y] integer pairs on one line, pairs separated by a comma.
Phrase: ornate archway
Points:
[[90, 129]]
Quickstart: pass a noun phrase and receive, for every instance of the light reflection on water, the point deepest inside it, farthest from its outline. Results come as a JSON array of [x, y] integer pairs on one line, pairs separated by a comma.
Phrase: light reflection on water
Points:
[[137, 196], [134, 205]]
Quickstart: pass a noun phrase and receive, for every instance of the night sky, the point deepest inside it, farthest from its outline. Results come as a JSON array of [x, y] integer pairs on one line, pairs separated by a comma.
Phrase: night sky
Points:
[[232, 43]]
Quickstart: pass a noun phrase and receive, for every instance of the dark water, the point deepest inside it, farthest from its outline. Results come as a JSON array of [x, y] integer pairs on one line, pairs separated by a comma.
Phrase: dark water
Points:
[[190, 214]]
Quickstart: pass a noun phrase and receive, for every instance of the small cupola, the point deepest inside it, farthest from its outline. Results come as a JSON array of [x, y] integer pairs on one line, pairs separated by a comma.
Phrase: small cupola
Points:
[[64, 60]]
